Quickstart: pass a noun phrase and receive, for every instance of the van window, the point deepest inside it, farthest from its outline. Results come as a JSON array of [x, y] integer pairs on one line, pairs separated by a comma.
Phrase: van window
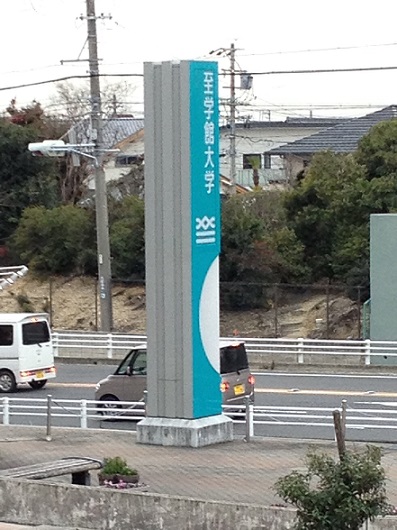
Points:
[[125, 363], [140, 363], [233, 359], [35, 332], [6, 335]]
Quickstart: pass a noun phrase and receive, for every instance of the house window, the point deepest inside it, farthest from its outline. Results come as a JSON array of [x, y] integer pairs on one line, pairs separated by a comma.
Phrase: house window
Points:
[[267, 161], [127, 160], [252, 161]]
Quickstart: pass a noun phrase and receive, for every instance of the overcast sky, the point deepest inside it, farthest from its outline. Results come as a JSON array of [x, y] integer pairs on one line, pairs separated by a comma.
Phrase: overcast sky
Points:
[[269, 36]]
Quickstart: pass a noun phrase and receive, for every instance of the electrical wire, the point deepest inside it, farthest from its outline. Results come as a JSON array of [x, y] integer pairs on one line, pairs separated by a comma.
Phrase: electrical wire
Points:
[[325, 70], [66, 78], [311, 50], [271, 72]]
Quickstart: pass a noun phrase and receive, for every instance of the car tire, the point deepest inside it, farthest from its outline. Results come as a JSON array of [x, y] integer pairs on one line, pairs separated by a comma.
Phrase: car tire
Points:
[[7, 382], [109, 409], [36, 385]]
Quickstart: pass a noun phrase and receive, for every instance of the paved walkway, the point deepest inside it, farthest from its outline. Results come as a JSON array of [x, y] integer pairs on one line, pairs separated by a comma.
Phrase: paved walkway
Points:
[[234, 471]]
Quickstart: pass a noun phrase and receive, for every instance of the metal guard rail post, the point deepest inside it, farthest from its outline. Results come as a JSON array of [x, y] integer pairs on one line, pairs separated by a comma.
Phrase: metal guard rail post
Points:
[[371, 416]]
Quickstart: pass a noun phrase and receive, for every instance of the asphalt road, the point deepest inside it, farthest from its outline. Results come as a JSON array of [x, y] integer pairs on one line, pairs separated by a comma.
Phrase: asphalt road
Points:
[[284, 392]]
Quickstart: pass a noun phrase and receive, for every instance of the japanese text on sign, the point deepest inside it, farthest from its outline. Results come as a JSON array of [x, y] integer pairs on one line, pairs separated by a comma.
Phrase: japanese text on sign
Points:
[[209, 131]]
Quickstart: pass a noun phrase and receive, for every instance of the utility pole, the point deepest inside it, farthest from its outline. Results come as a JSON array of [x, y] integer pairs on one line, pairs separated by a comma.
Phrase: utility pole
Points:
[[231, 53], [101, 206], [232, 121]]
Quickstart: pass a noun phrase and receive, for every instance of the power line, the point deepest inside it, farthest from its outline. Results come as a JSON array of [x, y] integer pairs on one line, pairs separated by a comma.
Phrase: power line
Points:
[[270, 72], [66, 78], [325, 70], [310, 50]]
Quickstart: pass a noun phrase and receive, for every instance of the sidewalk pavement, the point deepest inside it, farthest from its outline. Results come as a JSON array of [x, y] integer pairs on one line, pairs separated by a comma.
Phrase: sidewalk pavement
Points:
[[235, 471]]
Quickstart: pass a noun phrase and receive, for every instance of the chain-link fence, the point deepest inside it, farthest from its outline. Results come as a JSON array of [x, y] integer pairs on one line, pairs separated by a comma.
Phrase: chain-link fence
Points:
[[247, 309], [289, 310]]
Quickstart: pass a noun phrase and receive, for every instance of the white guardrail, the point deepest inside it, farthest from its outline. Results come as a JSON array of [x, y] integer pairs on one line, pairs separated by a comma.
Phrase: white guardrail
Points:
[[87, 414], [114, 345]]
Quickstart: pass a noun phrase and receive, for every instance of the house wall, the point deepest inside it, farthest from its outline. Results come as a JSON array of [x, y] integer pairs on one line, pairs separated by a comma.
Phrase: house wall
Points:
[[258, 140], [113, 172]]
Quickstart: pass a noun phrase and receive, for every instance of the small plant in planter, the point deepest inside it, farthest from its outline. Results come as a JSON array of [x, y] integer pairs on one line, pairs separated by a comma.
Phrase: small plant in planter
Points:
[[116, 471]]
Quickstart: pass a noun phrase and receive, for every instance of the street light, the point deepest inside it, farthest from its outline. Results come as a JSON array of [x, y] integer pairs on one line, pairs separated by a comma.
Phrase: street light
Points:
[[59, 148]]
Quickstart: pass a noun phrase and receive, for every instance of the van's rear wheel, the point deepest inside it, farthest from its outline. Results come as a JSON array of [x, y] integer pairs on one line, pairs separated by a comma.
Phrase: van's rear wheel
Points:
[[7, 382], [37, 384]]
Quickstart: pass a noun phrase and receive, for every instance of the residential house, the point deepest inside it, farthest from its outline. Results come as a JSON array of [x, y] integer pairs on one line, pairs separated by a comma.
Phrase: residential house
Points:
[[132, 154], [342, 138], [254, 139], [124, 133]]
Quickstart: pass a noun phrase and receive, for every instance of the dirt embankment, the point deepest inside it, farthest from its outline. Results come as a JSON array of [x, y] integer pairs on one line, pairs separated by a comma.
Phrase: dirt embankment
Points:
[[73, 305]]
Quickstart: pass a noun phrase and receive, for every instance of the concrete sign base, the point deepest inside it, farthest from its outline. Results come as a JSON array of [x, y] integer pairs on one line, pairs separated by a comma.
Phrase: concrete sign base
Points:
[[185, 433]]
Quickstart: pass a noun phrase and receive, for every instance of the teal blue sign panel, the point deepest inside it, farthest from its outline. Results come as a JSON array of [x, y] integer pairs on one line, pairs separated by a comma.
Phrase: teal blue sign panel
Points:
[[205, 236]]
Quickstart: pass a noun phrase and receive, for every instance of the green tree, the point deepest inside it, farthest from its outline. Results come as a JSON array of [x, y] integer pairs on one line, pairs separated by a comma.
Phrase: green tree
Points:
[[337, 494], [24, 180], [269, 207], [320, 205], [377, 150], [246, 260], [127, 238], [330, 210], [60, 240], [70, 179]]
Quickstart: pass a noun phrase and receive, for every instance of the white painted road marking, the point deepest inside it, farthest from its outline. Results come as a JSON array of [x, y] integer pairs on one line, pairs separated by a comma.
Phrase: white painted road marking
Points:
[[305, 392]]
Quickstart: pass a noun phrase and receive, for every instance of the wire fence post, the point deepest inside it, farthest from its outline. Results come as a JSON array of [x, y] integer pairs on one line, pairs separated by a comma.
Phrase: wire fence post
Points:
[[249, 419], [55, 343], [359, 330], [275, 301], [83, 417], [49, 411], [327, 308], [50, 294], [6, 411]]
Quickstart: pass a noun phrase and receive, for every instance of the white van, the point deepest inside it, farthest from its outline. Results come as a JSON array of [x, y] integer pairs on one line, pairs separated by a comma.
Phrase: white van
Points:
[[26, 352]]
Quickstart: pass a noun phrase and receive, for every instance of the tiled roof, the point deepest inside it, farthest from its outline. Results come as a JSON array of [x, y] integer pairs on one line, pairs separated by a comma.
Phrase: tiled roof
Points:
[[299, 123], [114, 130], [342, 138]]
